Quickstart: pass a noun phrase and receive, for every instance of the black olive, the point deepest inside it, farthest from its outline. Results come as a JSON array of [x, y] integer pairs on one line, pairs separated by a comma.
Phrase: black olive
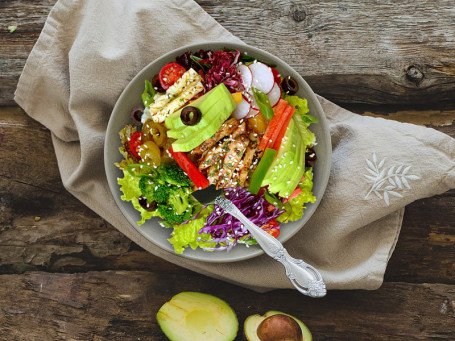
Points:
[[136, 114], [147, 206], [190, 116], [310, 158], [156, 84], [290, 85]]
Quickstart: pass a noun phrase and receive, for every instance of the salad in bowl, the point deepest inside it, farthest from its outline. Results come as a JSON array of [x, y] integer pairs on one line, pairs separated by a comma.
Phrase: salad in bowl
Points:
[[219, 118]]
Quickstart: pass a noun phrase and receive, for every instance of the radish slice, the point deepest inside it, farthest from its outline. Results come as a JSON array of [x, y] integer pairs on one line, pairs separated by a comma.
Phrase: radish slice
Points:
[[262, 77], [253, 112], [249, 97], [241, 110], [274, 95], [247, 76]]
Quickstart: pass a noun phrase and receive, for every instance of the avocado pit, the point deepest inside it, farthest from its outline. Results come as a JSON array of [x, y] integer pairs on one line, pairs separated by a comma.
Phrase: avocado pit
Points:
[[276, 326], [279, 327]]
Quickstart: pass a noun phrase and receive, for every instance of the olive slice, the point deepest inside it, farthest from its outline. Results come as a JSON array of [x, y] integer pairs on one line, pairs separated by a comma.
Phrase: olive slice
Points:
[[136, 114], [145, 205], [190, 116], [290, 85], [310, 158], [156, 83]]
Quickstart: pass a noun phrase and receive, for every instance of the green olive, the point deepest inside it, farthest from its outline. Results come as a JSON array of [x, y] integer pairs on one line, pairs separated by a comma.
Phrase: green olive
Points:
[[150, 153], [152, 131]]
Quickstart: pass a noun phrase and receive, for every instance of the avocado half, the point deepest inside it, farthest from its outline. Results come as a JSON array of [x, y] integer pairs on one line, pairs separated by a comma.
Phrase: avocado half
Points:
[[275, 325], [197, 316]]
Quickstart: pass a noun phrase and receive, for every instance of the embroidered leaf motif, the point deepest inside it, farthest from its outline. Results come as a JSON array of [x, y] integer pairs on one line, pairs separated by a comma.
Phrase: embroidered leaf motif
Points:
[[386, 198], [396, 178], [405, 183]]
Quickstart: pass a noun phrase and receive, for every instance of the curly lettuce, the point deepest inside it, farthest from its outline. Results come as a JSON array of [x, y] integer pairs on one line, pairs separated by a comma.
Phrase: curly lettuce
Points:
[[295, 207], [188, 234], [129, 185]]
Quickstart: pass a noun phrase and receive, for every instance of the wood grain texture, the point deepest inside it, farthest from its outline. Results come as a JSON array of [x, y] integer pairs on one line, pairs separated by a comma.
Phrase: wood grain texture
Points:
[[68, 237], [394, 52], [399, 54], [123, 305]]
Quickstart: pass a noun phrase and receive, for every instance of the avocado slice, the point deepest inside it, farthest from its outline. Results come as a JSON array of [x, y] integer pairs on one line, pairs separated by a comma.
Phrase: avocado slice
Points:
[[204, 103], [206, 128], [295, 179], [286, 147], [208, 118], [190, 316], [275, 325], [289, 168]]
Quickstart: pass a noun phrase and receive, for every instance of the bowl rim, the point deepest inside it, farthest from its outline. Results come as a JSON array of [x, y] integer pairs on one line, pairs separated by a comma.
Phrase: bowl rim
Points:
[[216, 45]]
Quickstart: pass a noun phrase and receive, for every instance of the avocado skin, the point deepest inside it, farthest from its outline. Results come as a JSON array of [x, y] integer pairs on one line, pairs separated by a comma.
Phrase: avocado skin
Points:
[[252, 322], [174, 318]]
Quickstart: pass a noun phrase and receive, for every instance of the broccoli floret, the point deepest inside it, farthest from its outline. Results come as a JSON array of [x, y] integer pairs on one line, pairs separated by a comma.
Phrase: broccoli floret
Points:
[[154, 191], [170, 215], [173, 174], [178, 200]]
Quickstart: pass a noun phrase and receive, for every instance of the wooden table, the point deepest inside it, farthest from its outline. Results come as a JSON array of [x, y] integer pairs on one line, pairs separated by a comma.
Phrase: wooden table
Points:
[[67, 274]]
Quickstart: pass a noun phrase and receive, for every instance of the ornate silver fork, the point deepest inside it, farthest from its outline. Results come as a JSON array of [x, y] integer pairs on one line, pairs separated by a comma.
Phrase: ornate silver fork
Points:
[[303, 276]]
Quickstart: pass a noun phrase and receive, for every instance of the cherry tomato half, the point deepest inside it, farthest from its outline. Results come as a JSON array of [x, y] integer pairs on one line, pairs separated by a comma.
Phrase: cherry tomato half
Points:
[[135, 143], [274, 232], [272, 228], [276, 75], [170, 73]]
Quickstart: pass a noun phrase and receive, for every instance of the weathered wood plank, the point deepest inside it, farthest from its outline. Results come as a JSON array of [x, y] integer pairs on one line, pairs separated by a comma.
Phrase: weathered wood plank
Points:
[[350, 52], [123, 305], [70, 238]]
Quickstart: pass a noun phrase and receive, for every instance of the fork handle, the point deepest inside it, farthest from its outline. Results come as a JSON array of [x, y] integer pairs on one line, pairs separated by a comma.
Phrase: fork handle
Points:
[[305, 278]]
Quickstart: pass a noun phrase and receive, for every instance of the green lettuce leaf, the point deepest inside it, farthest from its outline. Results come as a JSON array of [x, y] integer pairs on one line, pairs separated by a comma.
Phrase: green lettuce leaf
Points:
[[148, 94], [187, 234], [129, 185], [302, 118], [295, 207]]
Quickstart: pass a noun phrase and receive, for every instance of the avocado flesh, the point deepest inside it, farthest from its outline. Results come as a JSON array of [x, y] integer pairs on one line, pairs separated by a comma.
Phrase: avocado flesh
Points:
[[291, 179], [190, 316], [281, 185], [205, 129], [209, 117], [173, 121], [204, 103], [295, 179], [275, 171], [252, 323]]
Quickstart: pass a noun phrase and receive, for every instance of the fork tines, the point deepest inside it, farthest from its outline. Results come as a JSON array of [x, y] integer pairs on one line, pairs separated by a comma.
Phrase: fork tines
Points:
[[225, 204]]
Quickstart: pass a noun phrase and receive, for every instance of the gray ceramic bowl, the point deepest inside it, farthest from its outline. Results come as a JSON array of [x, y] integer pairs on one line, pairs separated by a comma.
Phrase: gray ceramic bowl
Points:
[[131, 97]]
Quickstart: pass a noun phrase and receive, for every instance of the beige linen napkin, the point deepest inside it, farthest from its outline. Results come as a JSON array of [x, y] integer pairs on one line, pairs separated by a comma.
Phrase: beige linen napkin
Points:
[[82, 62]]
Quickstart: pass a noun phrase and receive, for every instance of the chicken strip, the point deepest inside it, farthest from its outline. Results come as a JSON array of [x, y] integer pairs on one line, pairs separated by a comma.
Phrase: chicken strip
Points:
[[245, 164], [226, 129], [213, 156], [231, 161]]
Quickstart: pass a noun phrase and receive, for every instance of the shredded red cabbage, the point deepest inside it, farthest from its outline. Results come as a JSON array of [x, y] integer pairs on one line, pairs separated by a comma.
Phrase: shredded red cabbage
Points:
[[227, 230], [223, 70], [218, 67]]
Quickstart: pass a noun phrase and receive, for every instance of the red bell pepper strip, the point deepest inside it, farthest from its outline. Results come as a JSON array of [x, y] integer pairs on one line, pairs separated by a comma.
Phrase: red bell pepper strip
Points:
[[286, 118], [261, 170], [199, 180], [279, 107], [273, 126]]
